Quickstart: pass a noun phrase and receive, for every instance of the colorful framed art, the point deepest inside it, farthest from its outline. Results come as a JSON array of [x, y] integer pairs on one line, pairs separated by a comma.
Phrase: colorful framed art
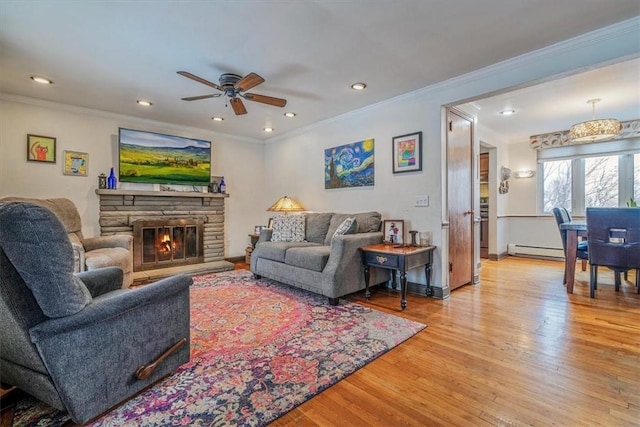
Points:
[[75, 163], [407, 153], [41, 149]]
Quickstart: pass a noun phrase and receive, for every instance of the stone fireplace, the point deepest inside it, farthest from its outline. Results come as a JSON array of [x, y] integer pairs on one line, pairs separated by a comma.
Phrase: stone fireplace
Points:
[[170, 228]]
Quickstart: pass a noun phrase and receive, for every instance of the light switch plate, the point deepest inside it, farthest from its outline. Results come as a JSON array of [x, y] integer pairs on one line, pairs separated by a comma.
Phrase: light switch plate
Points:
[[422, 201]]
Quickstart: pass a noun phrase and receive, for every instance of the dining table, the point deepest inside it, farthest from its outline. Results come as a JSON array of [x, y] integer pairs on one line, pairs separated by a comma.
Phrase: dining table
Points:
[[575, 230]]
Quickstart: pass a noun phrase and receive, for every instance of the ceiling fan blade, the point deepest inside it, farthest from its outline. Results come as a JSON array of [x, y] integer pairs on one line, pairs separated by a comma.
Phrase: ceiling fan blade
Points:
[[248, 81], [196, 98], [277, 102], [200, 80], [238, 106]]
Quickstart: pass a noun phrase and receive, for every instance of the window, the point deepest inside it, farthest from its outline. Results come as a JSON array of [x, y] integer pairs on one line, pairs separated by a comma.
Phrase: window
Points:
[[636, 177], [556, 184], [592, 180], [601, 182]]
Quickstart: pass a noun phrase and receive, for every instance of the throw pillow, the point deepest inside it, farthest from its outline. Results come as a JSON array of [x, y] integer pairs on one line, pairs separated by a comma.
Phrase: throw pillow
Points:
[[348, 226], [288, 228]]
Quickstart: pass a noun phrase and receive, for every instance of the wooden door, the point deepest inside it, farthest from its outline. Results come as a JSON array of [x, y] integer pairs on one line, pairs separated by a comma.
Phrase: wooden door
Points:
[[460, 199]]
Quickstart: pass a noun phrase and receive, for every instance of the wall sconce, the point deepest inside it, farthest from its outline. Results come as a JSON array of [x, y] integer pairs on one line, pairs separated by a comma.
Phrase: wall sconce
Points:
[[524, 174], [505, 174]]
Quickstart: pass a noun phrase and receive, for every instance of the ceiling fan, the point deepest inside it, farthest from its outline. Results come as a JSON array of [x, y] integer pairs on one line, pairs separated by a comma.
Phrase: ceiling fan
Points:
[[235, 87]]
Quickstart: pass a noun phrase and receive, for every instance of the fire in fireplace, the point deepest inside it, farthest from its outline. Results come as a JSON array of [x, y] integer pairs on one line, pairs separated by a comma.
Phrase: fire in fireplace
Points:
[[163, 243]]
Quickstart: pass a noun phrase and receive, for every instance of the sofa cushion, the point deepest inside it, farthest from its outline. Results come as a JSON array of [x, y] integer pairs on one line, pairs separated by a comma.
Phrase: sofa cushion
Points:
[[317, 226], [368, 222], [37, 244], [310, 258], [276, 251], [288, 228]]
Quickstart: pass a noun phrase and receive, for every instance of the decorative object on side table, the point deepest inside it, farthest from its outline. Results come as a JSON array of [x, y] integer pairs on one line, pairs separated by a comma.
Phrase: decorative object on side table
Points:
[[41, 148], [407, 153], [393, 231], [75, 163]]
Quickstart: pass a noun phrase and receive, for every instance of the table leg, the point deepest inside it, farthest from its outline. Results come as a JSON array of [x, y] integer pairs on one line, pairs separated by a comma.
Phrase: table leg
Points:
[[367, 293], [403, 289], [394, 279], [570, 261], [427, 274]]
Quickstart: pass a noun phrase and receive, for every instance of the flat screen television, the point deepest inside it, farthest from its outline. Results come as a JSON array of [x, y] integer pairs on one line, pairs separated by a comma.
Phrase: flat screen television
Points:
[[156, 158]]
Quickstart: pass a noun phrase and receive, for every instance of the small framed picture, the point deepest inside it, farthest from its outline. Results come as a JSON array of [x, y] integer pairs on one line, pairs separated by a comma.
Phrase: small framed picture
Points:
[[407, 153], [270, 223], [393, 231], [41, 148], [257, 229], [75, 163]]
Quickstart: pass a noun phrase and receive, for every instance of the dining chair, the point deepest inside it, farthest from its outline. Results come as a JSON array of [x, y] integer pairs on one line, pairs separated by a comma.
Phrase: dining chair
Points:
[[562, 215], [614, 242]]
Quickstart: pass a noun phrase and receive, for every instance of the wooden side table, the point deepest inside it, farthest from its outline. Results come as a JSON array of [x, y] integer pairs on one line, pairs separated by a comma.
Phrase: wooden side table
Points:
[[398, 259]]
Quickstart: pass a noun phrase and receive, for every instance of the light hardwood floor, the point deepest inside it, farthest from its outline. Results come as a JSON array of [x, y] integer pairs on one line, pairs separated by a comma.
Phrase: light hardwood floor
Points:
[[514, 350]]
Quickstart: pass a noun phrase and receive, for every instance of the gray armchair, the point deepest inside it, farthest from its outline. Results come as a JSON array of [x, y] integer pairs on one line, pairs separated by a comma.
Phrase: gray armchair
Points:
[[91, 252], [80, 342]]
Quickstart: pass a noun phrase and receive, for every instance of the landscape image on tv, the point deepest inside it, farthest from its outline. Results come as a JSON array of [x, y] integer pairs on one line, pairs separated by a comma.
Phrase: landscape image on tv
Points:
[[155, 158]]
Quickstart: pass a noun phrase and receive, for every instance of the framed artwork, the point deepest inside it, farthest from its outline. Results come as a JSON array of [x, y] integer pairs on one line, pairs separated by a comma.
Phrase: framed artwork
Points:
[[75, 163], [270, 223], [407, 153], [349, 165], [41, 148], [393, 231], [257, 229]]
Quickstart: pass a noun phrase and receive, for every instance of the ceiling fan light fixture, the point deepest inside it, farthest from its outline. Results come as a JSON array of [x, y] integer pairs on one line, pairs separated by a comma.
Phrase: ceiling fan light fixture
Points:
[[217, 119], [596, 129], [144, 103], [41, 80], [289, 114], [358, 86]]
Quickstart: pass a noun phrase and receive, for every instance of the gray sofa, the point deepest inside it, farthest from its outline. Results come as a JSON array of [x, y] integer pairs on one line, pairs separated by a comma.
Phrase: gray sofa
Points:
[[321, 263]]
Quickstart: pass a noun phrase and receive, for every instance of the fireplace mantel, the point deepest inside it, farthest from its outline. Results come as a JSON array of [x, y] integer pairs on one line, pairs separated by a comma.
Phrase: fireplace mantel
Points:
[[160, 193]]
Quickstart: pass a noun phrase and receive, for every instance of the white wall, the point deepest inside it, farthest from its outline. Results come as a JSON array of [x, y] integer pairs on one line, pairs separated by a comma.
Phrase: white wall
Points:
[[96, 133]]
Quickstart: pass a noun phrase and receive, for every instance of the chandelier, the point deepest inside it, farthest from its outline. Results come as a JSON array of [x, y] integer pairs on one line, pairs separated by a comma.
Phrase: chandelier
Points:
[[594, 130]]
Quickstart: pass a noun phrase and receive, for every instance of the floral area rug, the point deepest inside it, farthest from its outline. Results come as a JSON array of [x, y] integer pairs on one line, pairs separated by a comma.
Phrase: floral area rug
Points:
[[258, 350]]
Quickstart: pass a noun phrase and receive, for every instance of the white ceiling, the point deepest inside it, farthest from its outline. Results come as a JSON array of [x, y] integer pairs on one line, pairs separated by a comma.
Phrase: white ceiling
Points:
[[107, 54]]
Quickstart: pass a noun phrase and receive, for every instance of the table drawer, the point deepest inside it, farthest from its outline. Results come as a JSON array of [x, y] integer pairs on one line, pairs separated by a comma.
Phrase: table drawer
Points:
[[382, 260]]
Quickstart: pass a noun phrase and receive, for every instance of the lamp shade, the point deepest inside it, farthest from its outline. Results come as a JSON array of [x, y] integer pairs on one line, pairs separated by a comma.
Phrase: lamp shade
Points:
[[286, 204], [594, 130]]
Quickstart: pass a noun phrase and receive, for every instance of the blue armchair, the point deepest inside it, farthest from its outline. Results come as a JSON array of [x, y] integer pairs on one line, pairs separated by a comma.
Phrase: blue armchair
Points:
[[80, 342], [614, 242]]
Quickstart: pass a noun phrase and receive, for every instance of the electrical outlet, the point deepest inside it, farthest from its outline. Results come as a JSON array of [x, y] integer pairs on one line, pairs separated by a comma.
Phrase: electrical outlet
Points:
[[422, 201]]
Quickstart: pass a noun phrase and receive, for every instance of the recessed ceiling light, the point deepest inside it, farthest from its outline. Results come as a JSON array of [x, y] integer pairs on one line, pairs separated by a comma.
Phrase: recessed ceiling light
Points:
[[290, 114], [217, 119], [358, 86], [268, 129], [145, 103], [41, 80], [507, 112]]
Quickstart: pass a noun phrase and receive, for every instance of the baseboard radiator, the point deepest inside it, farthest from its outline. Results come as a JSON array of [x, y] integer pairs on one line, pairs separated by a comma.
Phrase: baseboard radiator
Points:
[[534, 251]]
